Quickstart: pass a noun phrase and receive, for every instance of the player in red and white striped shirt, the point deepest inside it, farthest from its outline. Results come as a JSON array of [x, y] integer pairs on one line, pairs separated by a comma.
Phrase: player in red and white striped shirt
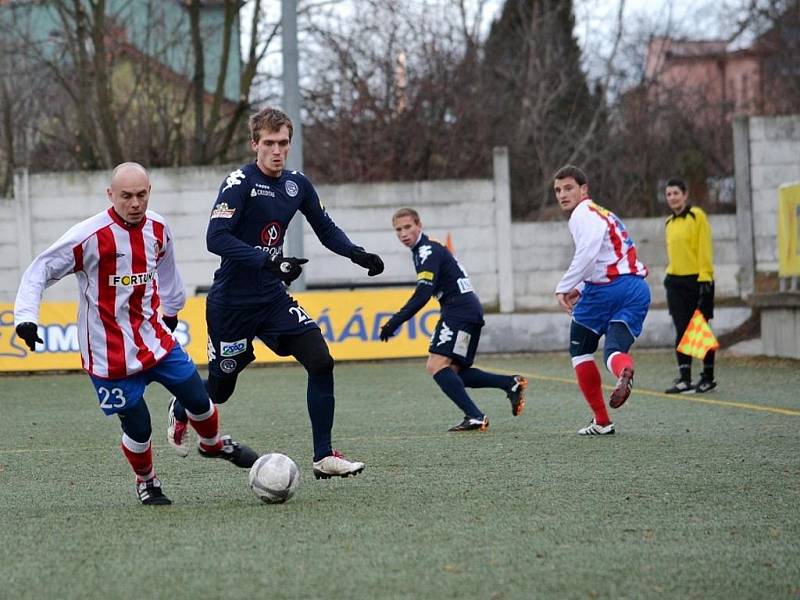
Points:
[[605, 293], [124, 260]]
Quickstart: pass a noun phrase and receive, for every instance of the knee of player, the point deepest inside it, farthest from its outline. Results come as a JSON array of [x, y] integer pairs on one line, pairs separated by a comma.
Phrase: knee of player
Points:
[[220, 389], [320, 364]]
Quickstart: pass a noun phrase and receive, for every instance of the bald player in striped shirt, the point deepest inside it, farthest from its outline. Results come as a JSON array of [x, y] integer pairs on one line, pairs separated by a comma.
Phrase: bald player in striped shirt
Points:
[[129, 298]]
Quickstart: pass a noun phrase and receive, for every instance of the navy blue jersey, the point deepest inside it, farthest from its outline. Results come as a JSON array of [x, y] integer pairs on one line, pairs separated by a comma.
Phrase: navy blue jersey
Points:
[[440, 275], [247, 228]]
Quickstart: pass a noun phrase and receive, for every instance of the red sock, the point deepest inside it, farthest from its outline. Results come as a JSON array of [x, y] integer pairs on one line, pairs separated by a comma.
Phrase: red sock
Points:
[[591, 385], [140, 457], [207, 428], [619, 361]]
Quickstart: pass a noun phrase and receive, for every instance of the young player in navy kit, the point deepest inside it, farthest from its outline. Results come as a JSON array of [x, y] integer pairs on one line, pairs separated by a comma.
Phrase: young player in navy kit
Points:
[[455, 338], [248, 298]]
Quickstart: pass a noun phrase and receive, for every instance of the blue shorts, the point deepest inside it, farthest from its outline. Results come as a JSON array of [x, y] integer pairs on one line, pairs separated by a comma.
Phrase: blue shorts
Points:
[[118, 395], [231, 332], [457, 340], [626, 299]]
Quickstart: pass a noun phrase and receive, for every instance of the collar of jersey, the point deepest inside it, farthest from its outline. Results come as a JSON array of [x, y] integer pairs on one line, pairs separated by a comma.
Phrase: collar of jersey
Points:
[[422, 238], [684, 213], [123, 223]]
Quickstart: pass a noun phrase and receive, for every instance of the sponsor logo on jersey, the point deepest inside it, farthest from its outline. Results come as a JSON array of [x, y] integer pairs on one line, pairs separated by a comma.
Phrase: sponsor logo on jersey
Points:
[[272, 234], [235, 178], [228, 365], [261, 192], [465, 285], [158, 248], [424, 253], [291, 188], [461, 347], [425, 276], [221, 211], [232, 348], [130, 279]]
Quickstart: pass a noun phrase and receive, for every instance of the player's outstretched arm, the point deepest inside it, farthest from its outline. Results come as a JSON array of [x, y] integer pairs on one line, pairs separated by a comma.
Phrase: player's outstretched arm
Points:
[[418, 299]]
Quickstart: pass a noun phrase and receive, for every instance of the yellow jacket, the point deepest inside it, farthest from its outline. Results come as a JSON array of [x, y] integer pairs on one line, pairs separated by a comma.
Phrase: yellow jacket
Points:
[[689, 247]]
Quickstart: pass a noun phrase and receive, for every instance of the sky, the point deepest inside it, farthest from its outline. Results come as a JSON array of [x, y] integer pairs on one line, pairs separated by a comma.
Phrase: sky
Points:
[[595, 22]]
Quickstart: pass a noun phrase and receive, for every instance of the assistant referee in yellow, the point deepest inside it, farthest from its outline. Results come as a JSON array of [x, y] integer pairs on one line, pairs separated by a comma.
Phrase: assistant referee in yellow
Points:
[[689, 281]]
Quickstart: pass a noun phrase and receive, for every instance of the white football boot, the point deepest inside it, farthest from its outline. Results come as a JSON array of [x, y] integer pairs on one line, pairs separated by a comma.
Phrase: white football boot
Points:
[[336, 465]]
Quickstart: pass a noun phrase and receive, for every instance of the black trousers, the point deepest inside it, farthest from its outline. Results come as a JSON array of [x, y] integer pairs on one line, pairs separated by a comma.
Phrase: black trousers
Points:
[[683, 298]]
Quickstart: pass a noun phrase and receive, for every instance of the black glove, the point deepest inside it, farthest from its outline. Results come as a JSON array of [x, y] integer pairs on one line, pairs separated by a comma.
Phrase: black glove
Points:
[[29, 332], [705, 298], [372, 262], [388, 330], [286, 268], [171, 322]]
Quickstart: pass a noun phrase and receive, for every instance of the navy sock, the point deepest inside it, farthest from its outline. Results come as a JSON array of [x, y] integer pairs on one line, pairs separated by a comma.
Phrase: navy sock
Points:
[[475, 378], [453, 387], [321, 402]]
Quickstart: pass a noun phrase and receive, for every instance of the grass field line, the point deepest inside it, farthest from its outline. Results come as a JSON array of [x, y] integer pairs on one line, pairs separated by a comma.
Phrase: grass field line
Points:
[[679, 397]]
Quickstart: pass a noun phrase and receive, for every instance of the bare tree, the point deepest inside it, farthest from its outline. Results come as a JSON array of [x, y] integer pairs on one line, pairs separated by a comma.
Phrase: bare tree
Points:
[[139, 72]]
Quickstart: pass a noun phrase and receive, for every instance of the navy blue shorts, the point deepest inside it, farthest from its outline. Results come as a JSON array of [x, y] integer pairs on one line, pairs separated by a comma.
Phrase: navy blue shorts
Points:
[[457, 340], [626, 299], [231, 332], [117, 395]]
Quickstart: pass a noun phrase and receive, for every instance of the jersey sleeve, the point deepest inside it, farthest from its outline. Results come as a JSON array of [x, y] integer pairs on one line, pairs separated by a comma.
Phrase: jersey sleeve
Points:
[[227, 212], [588, 231], [55, 263], [331, 236], [705, 248], [418, 299], [171, 289], [428, 268]]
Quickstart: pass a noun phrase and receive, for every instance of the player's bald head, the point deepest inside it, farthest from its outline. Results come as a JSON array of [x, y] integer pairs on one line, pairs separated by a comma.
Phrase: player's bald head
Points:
[[128, 173], [129, 191]]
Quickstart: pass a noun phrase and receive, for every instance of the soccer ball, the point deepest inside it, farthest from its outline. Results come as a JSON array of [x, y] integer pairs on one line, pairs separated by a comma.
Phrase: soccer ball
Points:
[[274, 478]]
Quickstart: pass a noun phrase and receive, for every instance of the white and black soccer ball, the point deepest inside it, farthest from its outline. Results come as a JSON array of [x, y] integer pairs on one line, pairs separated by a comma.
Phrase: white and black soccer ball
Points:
[[274, 478]]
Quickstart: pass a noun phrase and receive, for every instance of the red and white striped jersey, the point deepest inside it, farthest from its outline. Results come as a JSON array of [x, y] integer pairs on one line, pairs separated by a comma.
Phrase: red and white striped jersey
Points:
[[603, 248], [124, 274]]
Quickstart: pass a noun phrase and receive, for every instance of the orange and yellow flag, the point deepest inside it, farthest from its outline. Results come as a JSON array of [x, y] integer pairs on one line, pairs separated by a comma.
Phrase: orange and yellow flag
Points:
[[698, 338], [449, 243]]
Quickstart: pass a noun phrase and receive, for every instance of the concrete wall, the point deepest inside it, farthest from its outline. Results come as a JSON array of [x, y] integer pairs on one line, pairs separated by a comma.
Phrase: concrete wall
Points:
[[774, 160], [466, 209], [543, 251], [48, 204]]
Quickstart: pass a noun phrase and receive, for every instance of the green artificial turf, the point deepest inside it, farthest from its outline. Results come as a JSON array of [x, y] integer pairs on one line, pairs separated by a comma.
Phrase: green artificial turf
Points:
[[695, 497]]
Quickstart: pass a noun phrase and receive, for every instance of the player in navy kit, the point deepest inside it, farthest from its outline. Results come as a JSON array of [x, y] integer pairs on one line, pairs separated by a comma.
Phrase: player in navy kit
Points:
[[248, 298], [455, 338]]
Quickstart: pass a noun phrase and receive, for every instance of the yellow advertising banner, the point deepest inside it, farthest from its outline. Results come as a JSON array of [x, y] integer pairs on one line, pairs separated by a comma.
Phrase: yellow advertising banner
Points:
[[350, 321], [789, 230]]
